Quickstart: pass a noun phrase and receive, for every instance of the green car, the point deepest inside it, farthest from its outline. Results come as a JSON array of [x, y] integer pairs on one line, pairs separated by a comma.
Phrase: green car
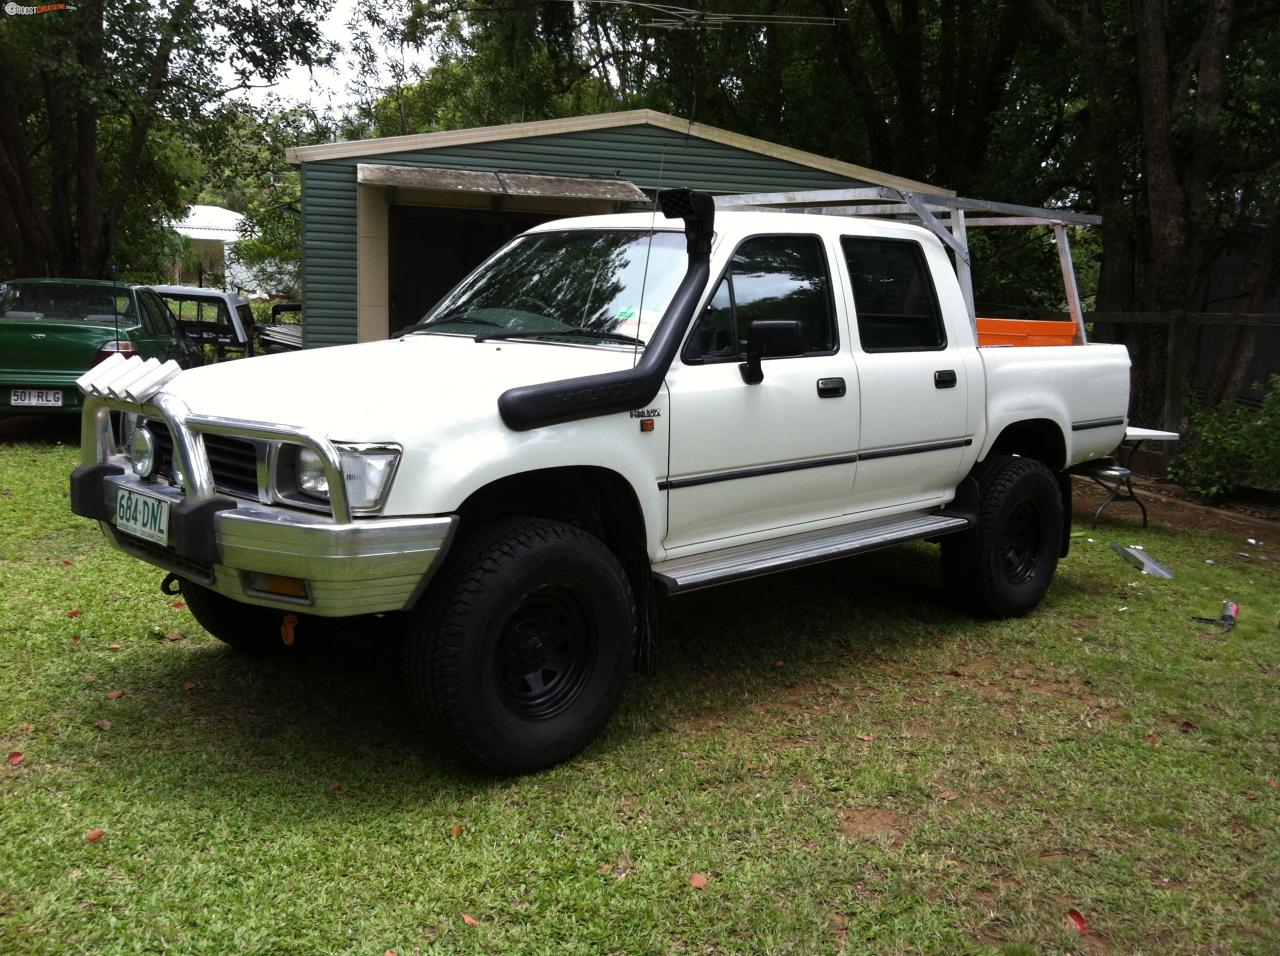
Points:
[[53, 330]]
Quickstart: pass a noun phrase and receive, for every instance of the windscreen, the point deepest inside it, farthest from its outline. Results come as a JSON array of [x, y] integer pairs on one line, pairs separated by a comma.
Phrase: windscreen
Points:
[[609, 283], [63, 302]]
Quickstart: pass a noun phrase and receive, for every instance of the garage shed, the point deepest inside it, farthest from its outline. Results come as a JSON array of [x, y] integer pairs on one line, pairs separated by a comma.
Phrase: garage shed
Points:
[[389, 225]]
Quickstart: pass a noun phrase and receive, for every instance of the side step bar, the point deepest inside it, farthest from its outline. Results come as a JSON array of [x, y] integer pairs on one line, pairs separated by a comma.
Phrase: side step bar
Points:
[[809, 547]]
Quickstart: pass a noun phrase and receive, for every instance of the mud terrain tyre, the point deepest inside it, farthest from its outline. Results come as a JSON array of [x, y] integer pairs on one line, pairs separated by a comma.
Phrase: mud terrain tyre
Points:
[[1003, 566], [519, 655]]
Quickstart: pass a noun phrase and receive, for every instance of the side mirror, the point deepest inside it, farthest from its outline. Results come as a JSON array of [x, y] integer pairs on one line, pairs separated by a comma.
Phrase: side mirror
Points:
[[771, 338]]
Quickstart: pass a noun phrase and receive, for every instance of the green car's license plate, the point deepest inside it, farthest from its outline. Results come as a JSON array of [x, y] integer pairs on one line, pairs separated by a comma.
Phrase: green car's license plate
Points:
[[37, 397], [142, 515]]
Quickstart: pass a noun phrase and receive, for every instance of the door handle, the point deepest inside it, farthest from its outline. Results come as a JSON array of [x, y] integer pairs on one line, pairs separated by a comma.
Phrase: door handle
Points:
[[946, 378], [831, 388]]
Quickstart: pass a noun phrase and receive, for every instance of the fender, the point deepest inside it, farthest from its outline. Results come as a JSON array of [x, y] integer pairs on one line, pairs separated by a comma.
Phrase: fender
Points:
[[549, 403]]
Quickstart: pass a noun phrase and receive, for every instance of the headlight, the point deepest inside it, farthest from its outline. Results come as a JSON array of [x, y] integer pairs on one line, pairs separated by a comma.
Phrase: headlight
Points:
[[366, 472], [312, 479]]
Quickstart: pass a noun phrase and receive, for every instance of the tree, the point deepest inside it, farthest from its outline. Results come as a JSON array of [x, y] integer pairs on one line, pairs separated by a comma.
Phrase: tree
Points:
[[244, 169], [1159, 114], [99, 106]]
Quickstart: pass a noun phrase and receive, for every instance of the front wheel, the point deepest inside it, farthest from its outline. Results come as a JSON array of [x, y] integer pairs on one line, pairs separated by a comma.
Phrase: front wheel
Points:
[[253, 629], [519, 658], [1003, 566], [246, 627]]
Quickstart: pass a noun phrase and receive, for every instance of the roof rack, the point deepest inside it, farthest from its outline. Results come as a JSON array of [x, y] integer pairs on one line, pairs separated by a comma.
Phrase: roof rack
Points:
[[891, 203]]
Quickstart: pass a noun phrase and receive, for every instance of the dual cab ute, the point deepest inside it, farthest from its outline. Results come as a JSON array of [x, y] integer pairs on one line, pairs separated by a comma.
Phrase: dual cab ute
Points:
[[608, 410]]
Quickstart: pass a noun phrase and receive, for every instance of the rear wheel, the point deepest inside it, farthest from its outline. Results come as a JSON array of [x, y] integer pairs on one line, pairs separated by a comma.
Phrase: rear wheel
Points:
[[1004, 565], [519, 658]]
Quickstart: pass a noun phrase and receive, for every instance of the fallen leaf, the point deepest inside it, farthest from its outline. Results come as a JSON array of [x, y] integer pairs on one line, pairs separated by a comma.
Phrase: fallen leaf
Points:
[[947, 796], [179, 605], [1077, 922], [15, 758], [115, 694], [175, 636], [390, 952], [66, 563], [604, 868], [1153, 740], [75, 638], [190, 685], [778, 665], [94, 835], [470, 920], [113, 647], [335, 785], [698, 881], [1187, 727], [26, 729], [456, 830], [75, 612], [867, 737], [90, 677], [103, 724], [1273, 784]]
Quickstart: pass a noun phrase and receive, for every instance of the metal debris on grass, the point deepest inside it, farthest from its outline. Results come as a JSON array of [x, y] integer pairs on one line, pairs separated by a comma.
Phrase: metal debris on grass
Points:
[[1136, 556], [1226, 620]]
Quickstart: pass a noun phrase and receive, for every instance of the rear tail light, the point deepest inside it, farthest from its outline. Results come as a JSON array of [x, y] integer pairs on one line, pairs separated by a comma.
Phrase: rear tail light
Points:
[[123, 346]]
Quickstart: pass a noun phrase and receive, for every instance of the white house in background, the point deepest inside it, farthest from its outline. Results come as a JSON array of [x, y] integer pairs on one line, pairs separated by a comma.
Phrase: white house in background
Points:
[[211, 229]]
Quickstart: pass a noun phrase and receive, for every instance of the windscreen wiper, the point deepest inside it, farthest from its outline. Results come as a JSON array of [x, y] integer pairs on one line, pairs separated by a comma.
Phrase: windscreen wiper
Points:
[[560, 334], [459, 319]]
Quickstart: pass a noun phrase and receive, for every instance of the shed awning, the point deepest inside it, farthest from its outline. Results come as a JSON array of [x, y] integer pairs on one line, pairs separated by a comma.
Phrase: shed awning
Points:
[[498, 184]]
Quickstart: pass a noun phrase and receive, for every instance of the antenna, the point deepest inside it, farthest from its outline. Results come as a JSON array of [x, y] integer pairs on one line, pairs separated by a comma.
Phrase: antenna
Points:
[[115, 304], [644, 279]]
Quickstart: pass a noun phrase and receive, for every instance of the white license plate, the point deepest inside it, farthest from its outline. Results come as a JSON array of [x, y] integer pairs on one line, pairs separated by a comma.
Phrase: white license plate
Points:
[[142, 515], [39, 397]]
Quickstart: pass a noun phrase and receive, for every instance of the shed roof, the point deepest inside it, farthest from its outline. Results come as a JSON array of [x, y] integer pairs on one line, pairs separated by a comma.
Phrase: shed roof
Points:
[[418, 142]]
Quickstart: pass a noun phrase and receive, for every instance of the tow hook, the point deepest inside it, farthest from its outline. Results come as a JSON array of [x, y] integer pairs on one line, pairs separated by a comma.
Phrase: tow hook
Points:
[[287, 625], [171, 585]]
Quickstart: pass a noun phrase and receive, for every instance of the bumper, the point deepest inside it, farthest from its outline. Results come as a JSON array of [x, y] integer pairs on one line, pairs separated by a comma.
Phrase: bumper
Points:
[[363, 566], [64, 382]]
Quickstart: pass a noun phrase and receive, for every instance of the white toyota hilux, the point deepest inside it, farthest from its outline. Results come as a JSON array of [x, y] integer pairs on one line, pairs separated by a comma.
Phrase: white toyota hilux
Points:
[[609, 410]]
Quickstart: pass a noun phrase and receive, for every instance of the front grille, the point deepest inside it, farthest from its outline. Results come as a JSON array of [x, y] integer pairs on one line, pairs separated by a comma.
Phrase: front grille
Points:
[[164, 447], [233, 461]]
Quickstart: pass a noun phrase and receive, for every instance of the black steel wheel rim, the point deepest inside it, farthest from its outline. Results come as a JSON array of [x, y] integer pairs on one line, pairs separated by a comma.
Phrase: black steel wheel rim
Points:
[[545, 654], [1023, 542]]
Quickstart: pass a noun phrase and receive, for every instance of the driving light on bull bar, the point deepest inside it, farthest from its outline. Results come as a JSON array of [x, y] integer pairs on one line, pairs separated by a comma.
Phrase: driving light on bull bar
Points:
[[367, 471], [142, 452]]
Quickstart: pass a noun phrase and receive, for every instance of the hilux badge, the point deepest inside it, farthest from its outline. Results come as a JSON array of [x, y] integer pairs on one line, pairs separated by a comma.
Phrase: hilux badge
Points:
[[646, 413]]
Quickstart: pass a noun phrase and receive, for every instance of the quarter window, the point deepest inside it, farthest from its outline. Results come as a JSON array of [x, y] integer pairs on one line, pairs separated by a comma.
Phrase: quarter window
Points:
[[893, 294], [769, 277]]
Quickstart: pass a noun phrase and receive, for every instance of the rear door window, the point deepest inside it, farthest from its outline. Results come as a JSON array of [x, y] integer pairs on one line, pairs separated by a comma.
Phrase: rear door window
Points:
[[156, 316], [893, 295]]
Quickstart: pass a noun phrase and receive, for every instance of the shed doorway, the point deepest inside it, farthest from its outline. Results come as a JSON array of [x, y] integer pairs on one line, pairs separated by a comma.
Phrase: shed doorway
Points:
[[432, 249]]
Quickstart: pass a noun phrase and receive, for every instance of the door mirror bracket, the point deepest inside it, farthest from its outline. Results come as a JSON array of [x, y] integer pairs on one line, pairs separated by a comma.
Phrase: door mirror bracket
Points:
[[771, 338]]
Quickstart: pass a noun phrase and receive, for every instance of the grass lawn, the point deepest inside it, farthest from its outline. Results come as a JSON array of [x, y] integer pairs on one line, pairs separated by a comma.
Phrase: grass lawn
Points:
[[851, 764]]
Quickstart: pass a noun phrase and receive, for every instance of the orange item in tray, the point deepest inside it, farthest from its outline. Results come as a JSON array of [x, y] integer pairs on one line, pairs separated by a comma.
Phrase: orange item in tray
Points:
[[1025, 332]]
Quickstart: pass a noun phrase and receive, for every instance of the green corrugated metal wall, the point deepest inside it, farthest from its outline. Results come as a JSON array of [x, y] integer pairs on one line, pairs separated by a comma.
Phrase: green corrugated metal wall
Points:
[[649, 156]]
